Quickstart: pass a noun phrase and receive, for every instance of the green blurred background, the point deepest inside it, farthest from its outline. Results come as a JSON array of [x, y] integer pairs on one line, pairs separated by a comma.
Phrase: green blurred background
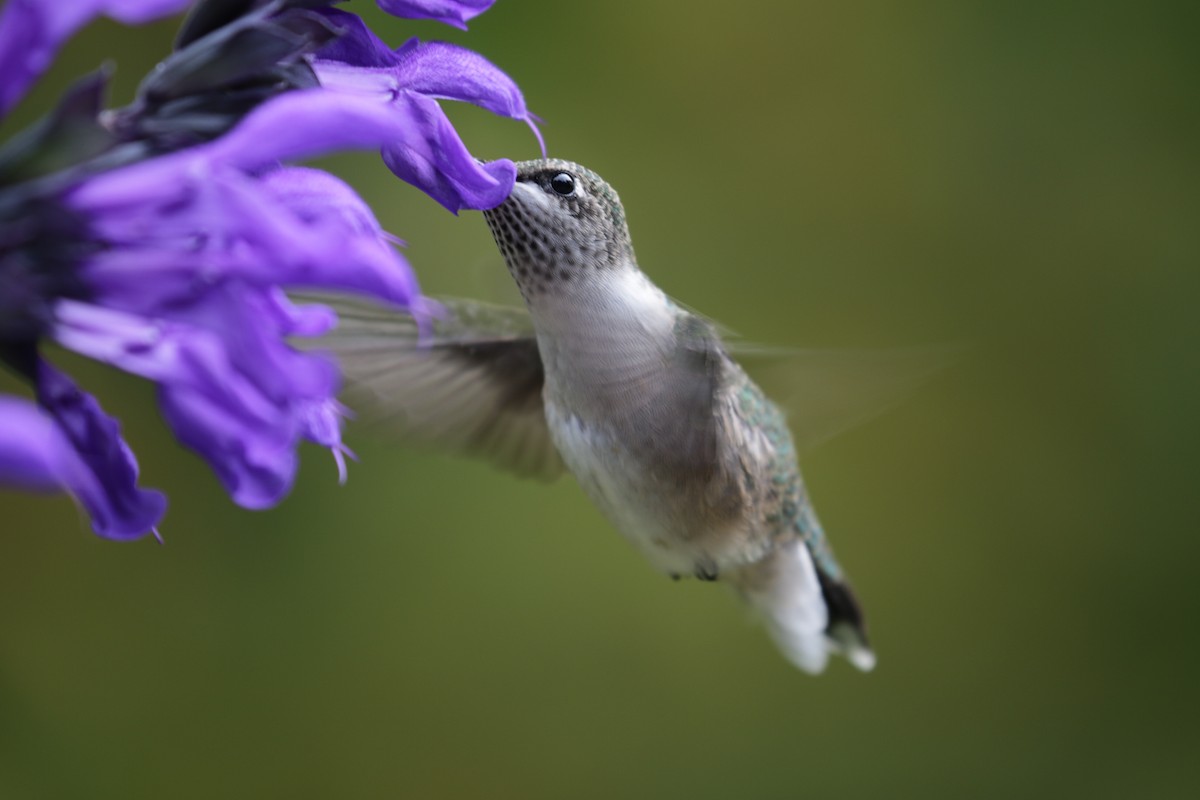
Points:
[[1022, 532]]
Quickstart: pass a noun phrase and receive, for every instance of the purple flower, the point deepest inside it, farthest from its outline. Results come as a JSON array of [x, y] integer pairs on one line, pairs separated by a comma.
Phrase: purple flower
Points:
[[406, 82], [164, 245], [192, 300], [31, 31], [451, 12], [70, 444]]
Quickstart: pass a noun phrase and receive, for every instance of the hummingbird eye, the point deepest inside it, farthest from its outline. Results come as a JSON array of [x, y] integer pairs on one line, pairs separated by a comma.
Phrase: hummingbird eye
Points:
[[563, 184]]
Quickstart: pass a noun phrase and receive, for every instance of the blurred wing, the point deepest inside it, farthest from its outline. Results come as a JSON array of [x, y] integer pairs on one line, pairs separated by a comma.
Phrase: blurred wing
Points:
[[827, 392], [691, 394], [474, 386]]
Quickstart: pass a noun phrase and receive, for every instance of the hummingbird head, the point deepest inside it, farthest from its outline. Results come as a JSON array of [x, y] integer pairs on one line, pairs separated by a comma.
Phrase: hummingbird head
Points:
[[560, 223]]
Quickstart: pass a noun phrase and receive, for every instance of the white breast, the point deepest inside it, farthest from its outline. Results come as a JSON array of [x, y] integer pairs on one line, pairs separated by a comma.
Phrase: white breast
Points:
[[616, 483]]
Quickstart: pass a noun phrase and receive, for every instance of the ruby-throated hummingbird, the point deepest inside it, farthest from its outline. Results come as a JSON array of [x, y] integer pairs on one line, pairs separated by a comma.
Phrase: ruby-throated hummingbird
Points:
[[637, 397]]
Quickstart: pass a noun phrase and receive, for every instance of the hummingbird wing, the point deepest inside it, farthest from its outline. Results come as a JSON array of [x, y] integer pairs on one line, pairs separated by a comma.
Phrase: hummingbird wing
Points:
[[826, 392], [472, 385]]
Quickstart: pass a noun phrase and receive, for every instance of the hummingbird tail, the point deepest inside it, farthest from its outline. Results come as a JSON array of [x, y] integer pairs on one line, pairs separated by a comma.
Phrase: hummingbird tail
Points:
[[807, 612], [846, 631]]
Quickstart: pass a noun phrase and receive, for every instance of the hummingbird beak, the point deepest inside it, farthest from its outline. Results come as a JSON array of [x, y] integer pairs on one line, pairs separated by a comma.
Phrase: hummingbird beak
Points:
[[528, 194]]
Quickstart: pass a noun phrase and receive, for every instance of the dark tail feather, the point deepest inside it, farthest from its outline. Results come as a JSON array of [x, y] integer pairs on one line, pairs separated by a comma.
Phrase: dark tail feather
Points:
[[846, 630]]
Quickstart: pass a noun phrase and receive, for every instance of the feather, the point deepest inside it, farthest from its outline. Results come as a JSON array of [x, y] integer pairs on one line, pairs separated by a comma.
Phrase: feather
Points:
[[473, 385]]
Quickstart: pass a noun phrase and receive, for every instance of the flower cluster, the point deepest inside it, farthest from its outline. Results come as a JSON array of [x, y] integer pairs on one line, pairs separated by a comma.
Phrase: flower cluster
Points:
[[160, 237]]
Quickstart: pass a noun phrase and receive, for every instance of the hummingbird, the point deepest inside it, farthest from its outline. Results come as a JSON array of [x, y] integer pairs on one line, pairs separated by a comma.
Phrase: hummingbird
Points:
[[604, 376]]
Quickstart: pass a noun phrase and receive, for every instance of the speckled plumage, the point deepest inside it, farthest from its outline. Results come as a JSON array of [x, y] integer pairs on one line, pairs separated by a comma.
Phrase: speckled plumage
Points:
[[786, 510], [662, 428]]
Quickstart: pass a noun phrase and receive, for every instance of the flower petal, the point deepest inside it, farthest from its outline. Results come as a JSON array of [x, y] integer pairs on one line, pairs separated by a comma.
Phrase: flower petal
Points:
[[357, 44], [450, 72], [360, 62], [432, 157], [175, 227], [76, 446], [188, 294], [34, 453], [31, 32], [304, 124], [451, 12], [230, 386], [255, 464], [424, 149], [318, 197], [211, 405]]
